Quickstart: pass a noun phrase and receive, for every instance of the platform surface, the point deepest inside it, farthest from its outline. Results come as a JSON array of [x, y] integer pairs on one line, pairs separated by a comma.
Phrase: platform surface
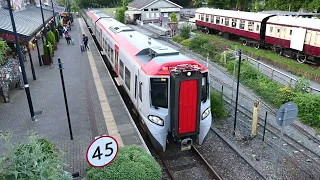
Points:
[[95, 105]]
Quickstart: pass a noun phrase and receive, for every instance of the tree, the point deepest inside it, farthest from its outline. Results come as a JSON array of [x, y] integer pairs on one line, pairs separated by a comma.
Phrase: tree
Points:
[[173, 17], [125, 4], [314, 6], [197, 3], [221, 4], [120, 15]]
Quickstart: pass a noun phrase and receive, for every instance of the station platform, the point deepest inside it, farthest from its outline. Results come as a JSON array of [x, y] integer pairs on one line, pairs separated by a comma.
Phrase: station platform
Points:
[[95, 105]]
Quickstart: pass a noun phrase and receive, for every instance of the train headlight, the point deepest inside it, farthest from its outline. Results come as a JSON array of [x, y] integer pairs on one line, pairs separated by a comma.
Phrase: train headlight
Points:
[[205, 113], [156, 120]]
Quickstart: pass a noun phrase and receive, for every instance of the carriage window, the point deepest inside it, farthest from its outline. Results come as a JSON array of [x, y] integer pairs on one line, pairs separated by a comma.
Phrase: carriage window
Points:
[[205, 87], [258, 27], [121, 68], [250, 25], [212, 19], [278, 30], [202, 17], [242, 22], [207, 18], [140, 91], [222, 21], [159, 92], [234, 23], [111, 55], [226, 22], [271, 29], [217, 20], [290, 31], [127, 78]]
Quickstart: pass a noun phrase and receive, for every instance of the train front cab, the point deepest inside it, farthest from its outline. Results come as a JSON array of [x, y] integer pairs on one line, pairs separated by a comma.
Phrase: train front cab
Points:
[[180, 105]]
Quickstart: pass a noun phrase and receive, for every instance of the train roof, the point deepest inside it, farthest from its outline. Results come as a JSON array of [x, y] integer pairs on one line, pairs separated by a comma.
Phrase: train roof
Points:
[[296, 21], [234, 14]]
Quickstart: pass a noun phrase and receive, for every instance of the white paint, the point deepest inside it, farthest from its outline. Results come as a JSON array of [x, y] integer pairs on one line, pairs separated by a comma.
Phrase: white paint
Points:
[[297, 40]]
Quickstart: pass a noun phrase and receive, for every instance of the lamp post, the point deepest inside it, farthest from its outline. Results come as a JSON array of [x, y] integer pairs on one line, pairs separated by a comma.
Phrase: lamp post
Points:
[[24, 76], [45, 32], [54, 17]]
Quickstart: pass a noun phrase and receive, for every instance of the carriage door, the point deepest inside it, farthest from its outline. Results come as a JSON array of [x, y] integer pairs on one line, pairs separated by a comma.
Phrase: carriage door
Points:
[[140, 91], [116, 60]]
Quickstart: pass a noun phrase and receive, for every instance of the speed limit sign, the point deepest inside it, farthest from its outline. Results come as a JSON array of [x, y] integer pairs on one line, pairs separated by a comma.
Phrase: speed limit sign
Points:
[[102, 151]]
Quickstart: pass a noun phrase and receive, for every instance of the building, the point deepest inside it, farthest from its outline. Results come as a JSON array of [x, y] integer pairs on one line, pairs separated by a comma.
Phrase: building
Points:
[[151, 10]]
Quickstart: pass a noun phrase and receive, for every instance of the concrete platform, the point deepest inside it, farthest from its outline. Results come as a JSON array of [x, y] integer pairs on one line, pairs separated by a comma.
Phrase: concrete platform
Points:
[[96, 107]]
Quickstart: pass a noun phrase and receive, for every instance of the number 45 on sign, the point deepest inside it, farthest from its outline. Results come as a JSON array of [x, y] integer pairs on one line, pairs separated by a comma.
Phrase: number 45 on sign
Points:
[[102, 151]]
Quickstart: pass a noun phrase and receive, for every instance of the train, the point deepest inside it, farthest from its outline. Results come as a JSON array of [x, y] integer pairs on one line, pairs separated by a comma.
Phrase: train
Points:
[[290, 36], [169, 90]]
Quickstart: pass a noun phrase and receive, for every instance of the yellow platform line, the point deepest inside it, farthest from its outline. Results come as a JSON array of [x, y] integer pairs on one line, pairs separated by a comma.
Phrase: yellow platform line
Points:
[[107, 113]]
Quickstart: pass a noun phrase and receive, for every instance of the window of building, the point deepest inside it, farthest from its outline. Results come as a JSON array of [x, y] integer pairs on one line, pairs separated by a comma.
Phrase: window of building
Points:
[[217, 20], [140, 91], [127, 78], [146, 10], [207, 18], [212, 19], [250, 25], [121, 69], [234, 23], [159, 92], [242, 23], [202, 17], [258, 27], [226, 22], [154, 9]]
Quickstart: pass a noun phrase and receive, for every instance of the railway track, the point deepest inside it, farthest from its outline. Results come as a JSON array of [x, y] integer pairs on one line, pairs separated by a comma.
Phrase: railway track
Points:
[[185, 164]]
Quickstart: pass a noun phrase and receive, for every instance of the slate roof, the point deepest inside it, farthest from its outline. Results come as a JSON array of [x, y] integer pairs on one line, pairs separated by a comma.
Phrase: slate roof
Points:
[[28, 22], [138, 4]]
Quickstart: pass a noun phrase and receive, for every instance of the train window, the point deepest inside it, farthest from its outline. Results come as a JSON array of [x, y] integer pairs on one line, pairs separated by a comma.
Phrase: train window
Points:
[[135, 87], [242, 23], [290, 32], [212, 19], [207, 18], [250, 25], [127, 78], [111, 55], [217, 20], [205, 87], [258, 27], [202, 17], [159, 92], [226, 22], [140, 91], [199, 16], [221, 21], [145, 10], [271, 29], [121, 69], [278, 30], [234, 23]]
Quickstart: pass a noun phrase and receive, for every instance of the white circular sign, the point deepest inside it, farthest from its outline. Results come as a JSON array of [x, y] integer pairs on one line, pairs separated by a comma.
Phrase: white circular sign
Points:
[[102, 151]]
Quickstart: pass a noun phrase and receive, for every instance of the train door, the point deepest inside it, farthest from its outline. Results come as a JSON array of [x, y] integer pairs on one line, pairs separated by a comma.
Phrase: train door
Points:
[[140, 90], [116, 59], [283, 36]]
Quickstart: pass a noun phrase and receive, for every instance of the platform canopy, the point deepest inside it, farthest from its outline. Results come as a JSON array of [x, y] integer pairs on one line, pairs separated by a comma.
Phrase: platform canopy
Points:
[[28, 23]]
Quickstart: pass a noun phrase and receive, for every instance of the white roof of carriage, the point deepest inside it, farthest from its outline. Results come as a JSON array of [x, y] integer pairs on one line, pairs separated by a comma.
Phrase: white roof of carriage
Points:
[[233, 14], [296, 21]]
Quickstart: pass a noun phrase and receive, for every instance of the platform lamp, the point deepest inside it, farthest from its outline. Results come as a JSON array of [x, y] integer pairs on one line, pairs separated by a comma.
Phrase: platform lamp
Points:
[[24, 76], [45, 31]]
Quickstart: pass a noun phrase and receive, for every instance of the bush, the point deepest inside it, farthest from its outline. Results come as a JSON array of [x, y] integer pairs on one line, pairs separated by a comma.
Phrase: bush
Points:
[[45, 49], [60, 24], [185, 42], [197, 42], [285, 94], [185, 31], [177, 39], [131, 163], [3, 51], [120, 15], [35, 159], [309, 108], [173, 17], [51, 37], [302, 85], [217, 106]]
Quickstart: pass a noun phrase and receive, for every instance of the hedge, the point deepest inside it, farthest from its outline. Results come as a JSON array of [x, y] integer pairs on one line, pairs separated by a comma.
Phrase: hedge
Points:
[[45, 49], [131, 163]]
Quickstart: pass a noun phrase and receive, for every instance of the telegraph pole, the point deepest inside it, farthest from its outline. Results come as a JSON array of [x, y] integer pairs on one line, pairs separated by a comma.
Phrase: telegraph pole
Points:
[[45, 32], [25, 80]]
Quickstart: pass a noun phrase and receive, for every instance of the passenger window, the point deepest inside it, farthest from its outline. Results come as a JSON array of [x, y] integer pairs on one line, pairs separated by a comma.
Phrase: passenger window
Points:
[[250, 25], [212, 19], [217, 20], [140, 91], [127, 78], [290, 32], [242, 23], [207, 18], [159, 92], [202, 17], [121, 69], [234, 23], [111, 55], [226, 22], [258, 27], [135, 87]]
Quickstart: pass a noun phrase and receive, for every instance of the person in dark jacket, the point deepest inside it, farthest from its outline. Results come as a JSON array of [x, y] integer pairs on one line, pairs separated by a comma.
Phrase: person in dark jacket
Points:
[[85, 41]]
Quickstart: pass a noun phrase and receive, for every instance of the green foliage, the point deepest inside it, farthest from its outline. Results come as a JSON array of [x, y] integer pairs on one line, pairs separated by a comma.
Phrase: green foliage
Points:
[[131, 163], [173, 17], [120, 15], [217, 106], [197, 42], [185, 31], [185, 42], [51, 37], [35, 159], [302, 85], [3, 51], [74, 6], [60, 24], [309, 108], [45, 49], [177, 39], [285, 94], [125, 4]]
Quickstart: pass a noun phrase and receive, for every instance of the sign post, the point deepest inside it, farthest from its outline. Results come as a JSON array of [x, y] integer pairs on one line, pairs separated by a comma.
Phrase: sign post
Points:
[[102, 151], [285, 116]]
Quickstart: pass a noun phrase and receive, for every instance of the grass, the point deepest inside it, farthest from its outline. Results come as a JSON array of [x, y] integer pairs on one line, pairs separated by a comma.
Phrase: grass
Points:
[[264, 53], [109, 11]]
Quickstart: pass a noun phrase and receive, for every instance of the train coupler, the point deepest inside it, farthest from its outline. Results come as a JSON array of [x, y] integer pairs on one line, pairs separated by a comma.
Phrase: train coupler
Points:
[[185, 144]]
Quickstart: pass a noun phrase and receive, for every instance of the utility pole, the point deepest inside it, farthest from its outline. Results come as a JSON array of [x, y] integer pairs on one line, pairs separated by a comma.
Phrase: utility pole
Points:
[[45, 32], [25, 80]]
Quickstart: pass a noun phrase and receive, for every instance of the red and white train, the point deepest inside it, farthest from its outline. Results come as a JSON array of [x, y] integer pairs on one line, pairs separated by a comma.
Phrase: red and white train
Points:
[[293, 37], [169, 90]]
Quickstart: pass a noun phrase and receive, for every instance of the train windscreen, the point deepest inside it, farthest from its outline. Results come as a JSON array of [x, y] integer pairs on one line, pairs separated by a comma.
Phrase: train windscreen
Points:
[[205, 87], [159, 92]]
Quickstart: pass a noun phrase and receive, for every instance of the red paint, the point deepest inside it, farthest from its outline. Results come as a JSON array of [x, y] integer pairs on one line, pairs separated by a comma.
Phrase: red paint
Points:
[[188, 106], [239, 32], [10, 37], [152, 68]]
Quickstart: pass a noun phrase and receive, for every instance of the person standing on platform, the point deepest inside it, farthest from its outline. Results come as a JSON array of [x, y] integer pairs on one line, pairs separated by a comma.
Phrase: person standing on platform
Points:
[[85, 41]]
